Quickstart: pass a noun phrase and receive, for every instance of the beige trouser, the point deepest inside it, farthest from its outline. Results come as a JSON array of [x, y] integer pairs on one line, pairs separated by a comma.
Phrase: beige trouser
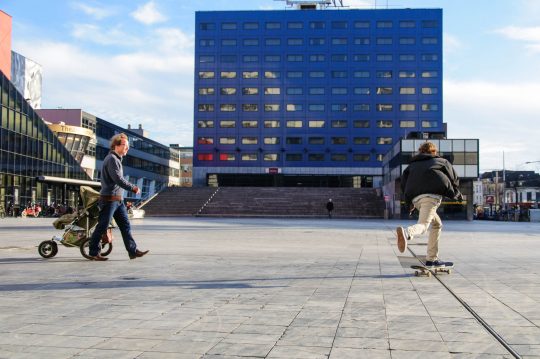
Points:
[[427, 206]]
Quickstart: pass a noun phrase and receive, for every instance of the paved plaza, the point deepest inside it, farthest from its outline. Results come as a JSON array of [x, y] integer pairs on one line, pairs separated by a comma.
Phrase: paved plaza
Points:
[[270, 288]]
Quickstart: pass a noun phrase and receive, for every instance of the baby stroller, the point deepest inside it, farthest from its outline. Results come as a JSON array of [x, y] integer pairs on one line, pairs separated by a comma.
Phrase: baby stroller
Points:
[[78, 228]]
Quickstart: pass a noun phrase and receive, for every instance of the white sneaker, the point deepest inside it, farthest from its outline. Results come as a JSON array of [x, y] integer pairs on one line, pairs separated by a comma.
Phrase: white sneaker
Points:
[[402, 238]]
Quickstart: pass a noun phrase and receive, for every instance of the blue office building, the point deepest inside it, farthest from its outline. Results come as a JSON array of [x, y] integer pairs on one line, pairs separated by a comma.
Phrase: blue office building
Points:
[[312, 97]]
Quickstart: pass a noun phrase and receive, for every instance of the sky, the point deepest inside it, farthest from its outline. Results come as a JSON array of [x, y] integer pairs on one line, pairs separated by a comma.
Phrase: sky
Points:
[[131, 62]]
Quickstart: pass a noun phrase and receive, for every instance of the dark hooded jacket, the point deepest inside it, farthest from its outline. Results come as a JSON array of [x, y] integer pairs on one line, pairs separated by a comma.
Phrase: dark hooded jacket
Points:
[[430, 174]]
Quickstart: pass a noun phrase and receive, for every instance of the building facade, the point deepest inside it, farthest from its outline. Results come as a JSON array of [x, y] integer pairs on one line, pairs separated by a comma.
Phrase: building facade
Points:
[[149, 165], [312, 97], [26, 75]]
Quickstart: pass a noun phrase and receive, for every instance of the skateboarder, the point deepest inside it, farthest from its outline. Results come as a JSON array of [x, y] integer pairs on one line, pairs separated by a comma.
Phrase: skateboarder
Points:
[[330, 207], [425, 181]]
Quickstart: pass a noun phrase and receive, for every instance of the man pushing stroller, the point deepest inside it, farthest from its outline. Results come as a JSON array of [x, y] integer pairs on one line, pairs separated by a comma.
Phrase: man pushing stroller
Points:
[[111, 203]]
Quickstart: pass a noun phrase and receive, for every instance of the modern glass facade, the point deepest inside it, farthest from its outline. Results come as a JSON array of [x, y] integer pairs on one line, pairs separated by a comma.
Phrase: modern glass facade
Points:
[[28, 149], [313, 92]]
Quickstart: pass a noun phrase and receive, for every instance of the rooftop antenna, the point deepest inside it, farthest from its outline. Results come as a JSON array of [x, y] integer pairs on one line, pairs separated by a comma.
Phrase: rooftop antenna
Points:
[[313, 4]]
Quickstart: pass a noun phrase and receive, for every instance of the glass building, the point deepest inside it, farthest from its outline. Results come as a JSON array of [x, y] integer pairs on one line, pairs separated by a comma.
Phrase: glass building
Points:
[[312, 97], [34, 165]]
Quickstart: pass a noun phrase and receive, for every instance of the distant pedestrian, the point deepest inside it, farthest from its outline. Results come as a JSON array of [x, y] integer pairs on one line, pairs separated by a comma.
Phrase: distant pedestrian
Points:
[[111, 203], [425, 181], [330, 207]]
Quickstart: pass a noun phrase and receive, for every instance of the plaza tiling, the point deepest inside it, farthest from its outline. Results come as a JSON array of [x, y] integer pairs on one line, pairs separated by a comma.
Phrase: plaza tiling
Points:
[[271, 288]]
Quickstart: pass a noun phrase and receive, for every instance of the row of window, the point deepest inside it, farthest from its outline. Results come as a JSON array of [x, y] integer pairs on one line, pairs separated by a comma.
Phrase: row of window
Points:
[[292, 157], [313, 140], [318, 41], [315, 124], [380, 74], [341, 107], [209, 59], [292, 25], [381, 90]]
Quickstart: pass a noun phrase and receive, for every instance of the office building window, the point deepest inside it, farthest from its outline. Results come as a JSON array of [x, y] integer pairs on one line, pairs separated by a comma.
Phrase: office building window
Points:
[[407, 24], [251, 42], [361, 91], [295, 58], [339, 74], [316, 157], [295, 25], [293, 157], [384, 41], [271, 107], [361, 24], [384, 24], [273, 25], [228, 42], [205, 140], [250, 140], [250, 107], [338, 157], [272, 42], [250, 123], [317, 41], [361, 157], [361, 41], [361, 140], [251, 25], [316, 107], [227, 157], [407, 57], [250, 91], [339, 24], [206, 42], [292, 107], [295, 91], [407, 90], [407, 74], [361, 74], [272, 91], [227, 90], [361, 123], [293, 140], [207, 26], [339, 107], [249, 157], [270, 157], [430, 90], [339, 58], [430, 23], [295, 74], [205, 124], [429, 124], [407, 41], [206, 74], [295, 42], [316, 74], [317, 58], [361, 58], [206, 107], [339, 124], [385, 124], [204, 91], [228, 74], [338, 140], [340, 90], [272, 74], [430, 74], [339, 41], [271, 140], [205, 157], [316, 123], [384, 90], [430, 107], [271, 124], [384, 74], [407, 124], [407, 107], [430, 41], [316, 90], [430, 57], [316, 140], [250, 74], [228, 26], [384, 57], [317, 24], [361, 107], [227, 124], [250, 58], [294, 124], [384, 107], [228, 58]]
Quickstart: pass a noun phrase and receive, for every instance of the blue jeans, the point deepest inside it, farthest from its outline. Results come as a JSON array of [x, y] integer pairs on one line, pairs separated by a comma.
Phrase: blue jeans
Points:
[[118, 211]]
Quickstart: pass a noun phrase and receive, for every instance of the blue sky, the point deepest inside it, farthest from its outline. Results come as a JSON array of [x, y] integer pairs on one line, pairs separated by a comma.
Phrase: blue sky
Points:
[[131, 62]]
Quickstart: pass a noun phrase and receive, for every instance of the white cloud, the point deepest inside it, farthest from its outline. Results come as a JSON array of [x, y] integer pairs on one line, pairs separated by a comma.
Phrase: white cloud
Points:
[[529, 35], [504, 116], [99, 35], [360, 4], [98, 13], [451, 43], [148, 14]]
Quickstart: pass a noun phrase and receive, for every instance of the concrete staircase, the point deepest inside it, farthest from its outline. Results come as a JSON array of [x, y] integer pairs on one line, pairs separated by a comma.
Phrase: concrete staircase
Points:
[[267, 202]]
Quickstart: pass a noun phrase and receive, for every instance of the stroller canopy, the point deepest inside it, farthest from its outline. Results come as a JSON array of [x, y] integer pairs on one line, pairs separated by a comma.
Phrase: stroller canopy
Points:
[[89, 196]]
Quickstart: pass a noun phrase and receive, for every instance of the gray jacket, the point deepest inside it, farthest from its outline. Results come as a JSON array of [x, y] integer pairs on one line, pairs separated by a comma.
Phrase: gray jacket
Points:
[[112, 176]]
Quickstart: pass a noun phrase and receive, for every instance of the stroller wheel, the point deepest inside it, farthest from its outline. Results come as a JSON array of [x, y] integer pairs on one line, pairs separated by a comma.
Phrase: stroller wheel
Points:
[[106, 249], [48, 249]]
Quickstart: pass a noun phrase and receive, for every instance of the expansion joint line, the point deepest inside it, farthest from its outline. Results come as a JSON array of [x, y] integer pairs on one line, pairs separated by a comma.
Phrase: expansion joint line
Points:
[[346, 300]]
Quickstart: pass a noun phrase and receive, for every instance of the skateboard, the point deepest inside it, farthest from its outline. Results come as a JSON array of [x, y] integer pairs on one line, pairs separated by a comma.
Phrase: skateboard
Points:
[[422, 270]]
